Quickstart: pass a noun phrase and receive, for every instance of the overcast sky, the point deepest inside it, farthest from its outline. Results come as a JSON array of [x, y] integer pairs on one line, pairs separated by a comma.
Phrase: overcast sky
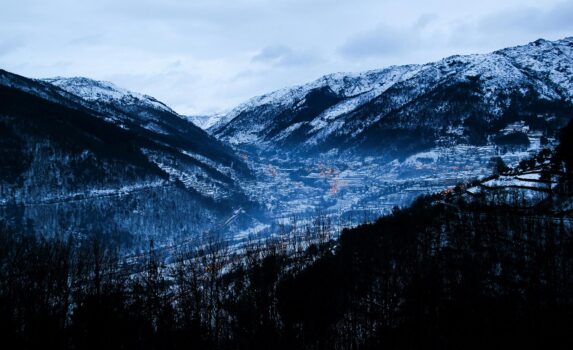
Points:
[[205, 56]]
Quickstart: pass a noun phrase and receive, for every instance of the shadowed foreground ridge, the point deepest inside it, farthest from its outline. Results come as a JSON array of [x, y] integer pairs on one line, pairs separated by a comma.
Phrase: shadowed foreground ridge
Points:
[[457, 269]]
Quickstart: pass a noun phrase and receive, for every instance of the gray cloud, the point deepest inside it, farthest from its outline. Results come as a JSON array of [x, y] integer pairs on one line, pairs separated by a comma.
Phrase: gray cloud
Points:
[[381, 41], [515, 26], [391, 41], [8, 45], [91, 39], [205, 55], [531, 20], [272, 53], [279, 55]]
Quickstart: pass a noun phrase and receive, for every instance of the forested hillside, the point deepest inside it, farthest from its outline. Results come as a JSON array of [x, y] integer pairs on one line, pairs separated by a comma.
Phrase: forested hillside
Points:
[[457, 269], [71, 166]]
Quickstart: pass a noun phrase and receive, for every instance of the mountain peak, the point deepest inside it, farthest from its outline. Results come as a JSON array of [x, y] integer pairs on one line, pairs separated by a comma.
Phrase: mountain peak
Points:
[[432, 97], [97, 90]]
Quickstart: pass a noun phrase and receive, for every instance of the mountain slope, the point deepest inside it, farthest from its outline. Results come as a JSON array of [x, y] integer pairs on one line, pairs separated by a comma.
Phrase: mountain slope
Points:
[[205, 121], [404, 109], [147, 116], [71, 165]]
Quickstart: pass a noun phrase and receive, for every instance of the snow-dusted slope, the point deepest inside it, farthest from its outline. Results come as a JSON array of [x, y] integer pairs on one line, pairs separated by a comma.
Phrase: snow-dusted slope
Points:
[[94, 157], [123, 106], [380, 110], [146, 115], [205, 121], [103, 91], [357, 88]]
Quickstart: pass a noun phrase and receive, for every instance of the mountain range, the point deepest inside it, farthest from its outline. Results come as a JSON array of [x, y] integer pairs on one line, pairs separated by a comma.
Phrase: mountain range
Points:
[[403, 109], [82, 157]]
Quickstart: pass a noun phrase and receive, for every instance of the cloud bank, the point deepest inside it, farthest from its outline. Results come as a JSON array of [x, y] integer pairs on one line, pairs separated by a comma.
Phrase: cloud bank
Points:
[[204, 56]]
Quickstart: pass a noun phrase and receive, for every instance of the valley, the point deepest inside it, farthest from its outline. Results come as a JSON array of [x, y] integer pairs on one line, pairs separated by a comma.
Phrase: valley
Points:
[[348, 147], [352, 191]]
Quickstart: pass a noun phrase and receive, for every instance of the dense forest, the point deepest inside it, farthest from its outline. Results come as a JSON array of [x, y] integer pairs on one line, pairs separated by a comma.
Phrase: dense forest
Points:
[[451, 271]]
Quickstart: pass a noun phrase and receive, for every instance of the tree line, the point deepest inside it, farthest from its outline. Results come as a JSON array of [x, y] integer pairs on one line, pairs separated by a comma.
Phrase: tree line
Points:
[[451, 271]]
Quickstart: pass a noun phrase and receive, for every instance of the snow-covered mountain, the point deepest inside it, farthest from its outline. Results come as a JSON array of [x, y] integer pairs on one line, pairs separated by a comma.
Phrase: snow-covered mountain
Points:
[[154, 120], [205, 121], [122, 105], [404, 109], [80, 156], [85, 156], [358, 144], [103, 91]]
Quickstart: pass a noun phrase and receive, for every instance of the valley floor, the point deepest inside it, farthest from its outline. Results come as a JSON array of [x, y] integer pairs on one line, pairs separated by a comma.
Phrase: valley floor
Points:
[[355, 190]]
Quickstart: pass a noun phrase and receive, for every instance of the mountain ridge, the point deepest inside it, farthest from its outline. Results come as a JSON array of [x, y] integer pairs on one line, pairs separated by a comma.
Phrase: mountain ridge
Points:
[[388, 99], [71, 165]]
